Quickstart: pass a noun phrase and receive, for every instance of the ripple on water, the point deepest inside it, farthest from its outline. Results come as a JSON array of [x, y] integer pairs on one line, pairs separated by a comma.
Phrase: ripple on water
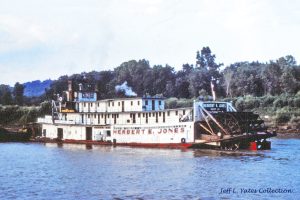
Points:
[[36, 171]]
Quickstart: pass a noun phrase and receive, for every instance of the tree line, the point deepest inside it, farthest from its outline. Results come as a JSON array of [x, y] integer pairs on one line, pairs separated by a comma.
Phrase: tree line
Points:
[[10, 96], [238, 79], [192, 80]]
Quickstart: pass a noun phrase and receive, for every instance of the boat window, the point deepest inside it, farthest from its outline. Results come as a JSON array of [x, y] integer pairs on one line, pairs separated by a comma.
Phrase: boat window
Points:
[[176, 113], [84, 104], [108, 133], [115, 118], [183, 112], [159, 113], [159, 102], [149, 114], [108, 104], [123, 107], [138, 103], [139, 114], [91, 105], [131, 103], [113, 104], [168, 113], [133, 116], [119, 103], [146, 102]]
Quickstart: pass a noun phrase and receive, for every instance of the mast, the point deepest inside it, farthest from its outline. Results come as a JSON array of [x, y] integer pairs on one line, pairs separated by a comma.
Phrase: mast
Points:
[[212, 86]]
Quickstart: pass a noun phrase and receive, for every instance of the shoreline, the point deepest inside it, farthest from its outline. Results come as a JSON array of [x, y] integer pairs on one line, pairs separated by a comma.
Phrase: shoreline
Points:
[[288, 135]]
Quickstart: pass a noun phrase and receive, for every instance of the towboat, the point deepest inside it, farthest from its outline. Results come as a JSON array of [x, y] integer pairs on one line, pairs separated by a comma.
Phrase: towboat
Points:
[[144, 122]]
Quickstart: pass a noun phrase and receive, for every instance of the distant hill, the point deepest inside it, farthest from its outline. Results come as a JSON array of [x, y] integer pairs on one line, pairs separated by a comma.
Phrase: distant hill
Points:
[[36, 88]]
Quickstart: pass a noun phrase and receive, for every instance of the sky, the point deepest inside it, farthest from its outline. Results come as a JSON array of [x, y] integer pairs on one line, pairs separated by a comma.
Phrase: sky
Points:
[[49, 38]]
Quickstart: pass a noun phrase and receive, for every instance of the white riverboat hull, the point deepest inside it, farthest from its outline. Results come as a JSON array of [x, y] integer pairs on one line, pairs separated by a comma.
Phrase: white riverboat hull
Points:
[[144, 134]]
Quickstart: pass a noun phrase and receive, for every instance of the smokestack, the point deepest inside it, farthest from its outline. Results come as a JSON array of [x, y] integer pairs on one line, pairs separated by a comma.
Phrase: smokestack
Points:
[[80, 86], [70, 91], [96, 88]]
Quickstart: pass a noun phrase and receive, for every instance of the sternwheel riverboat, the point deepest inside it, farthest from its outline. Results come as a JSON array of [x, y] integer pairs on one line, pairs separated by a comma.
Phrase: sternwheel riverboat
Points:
[[144, 122]]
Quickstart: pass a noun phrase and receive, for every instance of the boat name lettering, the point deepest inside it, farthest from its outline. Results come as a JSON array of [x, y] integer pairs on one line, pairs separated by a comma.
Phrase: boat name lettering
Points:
[[149, 131]]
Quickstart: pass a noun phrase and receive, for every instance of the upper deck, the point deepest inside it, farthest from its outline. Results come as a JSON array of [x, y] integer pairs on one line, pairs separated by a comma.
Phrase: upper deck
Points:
[[136, 110], [82, 107], [136, 104]]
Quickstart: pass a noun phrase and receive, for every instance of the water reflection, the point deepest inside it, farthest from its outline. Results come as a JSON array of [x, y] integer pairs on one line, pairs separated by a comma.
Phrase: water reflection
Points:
[[197, 153], [219, 153], [70, 146], [74, 147]]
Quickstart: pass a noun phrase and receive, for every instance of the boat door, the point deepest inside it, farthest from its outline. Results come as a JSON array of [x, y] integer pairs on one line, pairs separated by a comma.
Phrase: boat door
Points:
[[122, 106], [153, 104], [88, 133], [60, 133]]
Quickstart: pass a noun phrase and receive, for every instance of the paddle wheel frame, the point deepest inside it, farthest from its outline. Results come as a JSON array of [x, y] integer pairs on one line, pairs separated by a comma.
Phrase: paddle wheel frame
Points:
[[219, 125]]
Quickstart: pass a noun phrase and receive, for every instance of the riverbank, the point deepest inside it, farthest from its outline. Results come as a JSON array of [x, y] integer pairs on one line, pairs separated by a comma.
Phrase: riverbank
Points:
[[15, 134], [289, 133]]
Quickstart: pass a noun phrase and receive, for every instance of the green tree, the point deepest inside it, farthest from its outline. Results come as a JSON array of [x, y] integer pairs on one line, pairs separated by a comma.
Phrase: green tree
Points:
[[271, 76], [205, 59], [182, 81], [199, 80], [286, 61], [138, 75], [288, 81], [7, 98], [244, 78], [163, 76], [19, 93]]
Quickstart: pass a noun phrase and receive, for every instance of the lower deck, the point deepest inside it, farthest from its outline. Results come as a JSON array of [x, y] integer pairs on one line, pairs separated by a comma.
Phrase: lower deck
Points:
[[146, 134], [179, 135]]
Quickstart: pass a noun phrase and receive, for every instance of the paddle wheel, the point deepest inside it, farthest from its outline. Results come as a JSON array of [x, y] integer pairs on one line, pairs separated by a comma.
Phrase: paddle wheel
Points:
[[220, 126]]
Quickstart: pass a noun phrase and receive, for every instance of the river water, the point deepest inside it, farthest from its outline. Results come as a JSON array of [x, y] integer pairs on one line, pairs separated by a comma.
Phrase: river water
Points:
[[38, 171]]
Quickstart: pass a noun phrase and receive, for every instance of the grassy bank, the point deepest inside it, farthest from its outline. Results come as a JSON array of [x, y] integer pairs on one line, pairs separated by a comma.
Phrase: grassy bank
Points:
[[13, 115], [277, 111]]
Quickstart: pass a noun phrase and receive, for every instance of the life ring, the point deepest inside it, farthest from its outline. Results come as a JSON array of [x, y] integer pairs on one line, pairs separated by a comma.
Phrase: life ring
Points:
[[182, 140]]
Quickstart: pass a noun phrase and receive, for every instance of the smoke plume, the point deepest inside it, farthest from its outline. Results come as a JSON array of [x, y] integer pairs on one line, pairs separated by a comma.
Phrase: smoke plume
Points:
[[126, 89]]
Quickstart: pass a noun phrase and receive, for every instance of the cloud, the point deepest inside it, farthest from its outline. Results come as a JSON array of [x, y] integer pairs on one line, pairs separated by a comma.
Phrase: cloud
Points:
[[19, 34], [46, 39]]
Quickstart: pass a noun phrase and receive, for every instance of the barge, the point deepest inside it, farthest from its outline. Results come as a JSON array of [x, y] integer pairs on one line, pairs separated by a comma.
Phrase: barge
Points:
[[15, 135], [144, 122]]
